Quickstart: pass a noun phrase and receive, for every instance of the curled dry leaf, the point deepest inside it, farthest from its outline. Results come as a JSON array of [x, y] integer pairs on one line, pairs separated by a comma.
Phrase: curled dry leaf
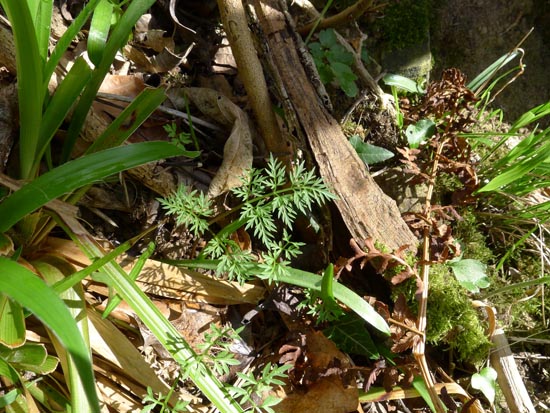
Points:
[[237, 152]]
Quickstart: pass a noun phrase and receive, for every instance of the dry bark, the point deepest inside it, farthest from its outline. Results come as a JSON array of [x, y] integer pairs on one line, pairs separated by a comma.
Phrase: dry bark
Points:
[[366, 210]]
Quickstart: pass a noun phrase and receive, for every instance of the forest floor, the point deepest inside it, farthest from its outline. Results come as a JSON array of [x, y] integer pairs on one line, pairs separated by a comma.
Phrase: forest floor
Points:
[[379, 245]]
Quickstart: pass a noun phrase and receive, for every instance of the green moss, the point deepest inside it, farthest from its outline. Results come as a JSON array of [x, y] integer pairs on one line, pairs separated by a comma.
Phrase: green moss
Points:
[[405, 23], [472, 238], [451, 319]]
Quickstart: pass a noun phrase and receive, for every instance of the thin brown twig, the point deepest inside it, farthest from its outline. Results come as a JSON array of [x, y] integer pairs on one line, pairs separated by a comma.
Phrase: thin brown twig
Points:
[[420, 346]]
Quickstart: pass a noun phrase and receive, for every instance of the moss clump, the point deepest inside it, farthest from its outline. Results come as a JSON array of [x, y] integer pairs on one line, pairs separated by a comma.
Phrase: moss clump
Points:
[[472, 239], [405, 23], [451, 319]]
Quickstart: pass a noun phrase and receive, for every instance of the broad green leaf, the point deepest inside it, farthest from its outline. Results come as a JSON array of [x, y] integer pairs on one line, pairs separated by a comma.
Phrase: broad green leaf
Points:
[[327, 38], [325, 73], [60, 104], [370, 154], [52, 269], [29, 353], [12, 323], [99, 30], [42, 25], [470, 274], [29, 81], [485, 382], [402, 82], [10, 376], [65, 41], [31, 357], [32, 293], [330, 309], [420, 386], [345, 77], [9, 398], [338, 53], [80, 172], [316, 51], [351, 336], [420, 132]]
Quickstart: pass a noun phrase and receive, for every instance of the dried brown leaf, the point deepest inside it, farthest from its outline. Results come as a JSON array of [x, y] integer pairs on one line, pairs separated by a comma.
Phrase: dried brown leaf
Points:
[[327, 395], [237, 152]]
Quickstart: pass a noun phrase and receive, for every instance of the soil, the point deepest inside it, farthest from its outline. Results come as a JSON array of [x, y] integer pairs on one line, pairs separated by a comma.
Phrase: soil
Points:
[[471, 35]]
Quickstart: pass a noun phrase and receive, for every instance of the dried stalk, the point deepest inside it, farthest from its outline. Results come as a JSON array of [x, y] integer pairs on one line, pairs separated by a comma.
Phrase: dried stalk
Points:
[[420, 346]]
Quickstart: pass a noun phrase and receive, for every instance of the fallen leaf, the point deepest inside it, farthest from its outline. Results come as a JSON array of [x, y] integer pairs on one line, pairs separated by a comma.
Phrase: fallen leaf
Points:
[[328, 395], [237, 152]]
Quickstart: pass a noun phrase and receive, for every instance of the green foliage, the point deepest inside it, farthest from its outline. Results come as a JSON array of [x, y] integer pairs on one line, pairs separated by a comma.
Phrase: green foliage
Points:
[[160, 401], [322, 304], [451, 319], [191, 209], [25, 288], [177, 138], [334, 62], [40, 117], [217, 353], [215, 350], [370, 154], [403, 83], [250, 387], [266, 196]]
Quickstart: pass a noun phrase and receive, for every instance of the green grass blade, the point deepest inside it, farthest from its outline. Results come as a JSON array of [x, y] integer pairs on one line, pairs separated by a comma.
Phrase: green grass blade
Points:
[[115, 300], [66, 94], [531, 116], [80, 172], [518, 170], [488, 73], [65, 41], [29, 81], [99, 30], [32, 293], [129, 120], [118, 38]]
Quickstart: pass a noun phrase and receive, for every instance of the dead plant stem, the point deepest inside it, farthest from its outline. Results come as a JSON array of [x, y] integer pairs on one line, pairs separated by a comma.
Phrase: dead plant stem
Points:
[[420, 345]]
